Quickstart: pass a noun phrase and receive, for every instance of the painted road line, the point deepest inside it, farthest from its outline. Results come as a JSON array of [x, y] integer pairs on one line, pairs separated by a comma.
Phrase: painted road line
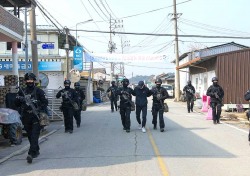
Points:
[[161, 163]]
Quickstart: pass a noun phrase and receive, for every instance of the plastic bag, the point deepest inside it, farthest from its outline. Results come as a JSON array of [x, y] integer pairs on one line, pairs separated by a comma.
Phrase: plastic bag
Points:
[[9, 116]]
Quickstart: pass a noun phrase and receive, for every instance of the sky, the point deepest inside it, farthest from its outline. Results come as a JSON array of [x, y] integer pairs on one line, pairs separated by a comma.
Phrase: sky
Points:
[[196, 17]]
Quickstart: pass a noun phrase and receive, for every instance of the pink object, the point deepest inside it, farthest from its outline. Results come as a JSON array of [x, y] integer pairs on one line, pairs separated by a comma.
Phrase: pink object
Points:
[[209, 112], [204, 104]]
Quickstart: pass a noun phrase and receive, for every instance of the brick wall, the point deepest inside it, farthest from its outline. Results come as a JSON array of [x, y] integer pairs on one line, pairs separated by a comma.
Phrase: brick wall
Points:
[[10, 21]]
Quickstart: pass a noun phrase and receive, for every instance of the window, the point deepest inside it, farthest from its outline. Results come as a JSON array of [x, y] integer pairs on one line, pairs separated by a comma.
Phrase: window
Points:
[[9, 45]]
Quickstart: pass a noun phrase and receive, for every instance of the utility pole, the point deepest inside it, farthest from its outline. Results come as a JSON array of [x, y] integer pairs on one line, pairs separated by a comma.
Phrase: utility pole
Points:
[[34, 40], [123, 45], [110, 50], [67, 52], [177, 73], [26, 42]]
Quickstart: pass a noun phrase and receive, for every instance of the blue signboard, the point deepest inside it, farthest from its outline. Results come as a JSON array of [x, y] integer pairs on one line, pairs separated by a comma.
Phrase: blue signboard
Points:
[[78, 56], [48, 46], [42, 66]]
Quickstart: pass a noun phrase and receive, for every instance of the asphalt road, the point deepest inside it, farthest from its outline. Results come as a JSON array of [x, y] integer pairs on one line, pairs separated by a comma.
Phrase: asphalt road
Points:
[[190, 146]]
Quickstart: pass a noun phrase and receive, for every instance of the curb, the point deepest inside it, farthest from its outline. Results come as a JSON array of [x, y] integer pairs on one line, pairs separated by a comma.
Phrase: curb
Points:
[[25, 148]]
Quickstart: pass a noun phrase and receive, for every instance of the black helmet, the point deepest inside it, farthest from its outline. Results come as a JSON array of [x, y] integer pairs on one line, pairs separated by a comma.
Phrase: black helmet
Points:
[[158, 81], [214, 79], [30, 76], [77, 84], [67, 82], [125, 81]]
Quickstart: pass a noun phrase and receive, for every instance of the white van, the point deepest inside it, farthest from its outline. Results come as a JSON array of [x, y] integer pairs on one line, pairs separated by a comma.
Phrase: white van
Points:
[[169, 88]]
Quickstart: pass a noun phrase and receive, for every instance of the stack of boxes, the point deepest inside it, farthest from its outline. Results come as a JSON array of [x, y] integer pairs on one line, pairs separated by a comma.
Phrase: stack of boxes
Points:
[[10, 82]]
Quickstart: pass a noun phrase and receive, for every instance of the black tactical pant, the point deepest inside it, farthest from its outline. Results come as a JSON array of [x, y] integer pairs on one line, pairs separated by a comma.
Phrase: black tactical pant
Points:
[[157, 108], [144, 114], [77, 116], [216, 108], [125, 111], [113, 102], [32, 127], [190, 103], [68, 113]]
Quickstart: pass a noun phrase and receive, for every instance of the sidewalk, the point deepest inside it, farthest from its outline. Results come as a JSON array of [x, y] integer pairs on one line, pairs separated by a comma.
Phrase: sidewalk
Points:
[[6, 151]]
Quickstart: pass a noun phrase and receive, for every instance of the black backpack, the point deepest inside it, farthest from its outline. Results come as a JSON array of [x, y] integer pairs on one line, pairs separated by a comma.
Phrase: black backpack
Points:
[[247, 95]]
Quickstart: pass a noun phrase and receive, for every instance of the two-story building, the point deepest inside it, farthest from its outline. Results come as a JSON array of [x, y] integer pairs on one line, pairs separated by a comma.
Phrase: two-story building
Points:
[[51, 65]]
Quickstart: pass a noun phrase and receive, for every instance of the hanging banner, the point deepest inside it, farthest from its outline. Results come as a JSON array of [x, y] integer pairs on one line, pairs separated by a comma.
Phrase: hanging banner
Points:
[[125, 57], [78, 55]]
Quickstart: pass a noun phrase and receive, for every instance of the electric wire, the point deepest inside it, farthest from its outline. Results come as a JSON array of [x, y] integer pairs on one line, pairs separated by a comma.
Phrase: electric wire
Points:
[[109, 8], [93, 18], [154, 10], [97, 11], [101, 10], [105, 8], [150, 34]]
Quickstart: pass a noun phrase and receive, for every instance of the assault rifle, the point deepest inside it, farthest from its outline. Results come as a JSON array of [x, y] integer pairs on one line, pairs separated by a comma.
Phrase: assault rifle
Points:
[[125, 95], [74, 104], [30, 102], [217, 96]]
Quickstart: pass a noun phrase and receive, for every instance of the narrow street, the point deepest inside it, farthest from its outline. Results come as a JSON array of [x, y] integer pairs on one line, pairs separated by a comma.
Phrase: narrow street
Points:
[[190, 146]]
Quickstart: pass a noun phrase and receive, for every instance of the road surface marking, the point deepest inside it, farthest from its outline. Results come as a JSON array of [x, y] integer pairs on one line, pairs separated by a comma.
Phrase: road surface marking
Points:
[[161, 163]]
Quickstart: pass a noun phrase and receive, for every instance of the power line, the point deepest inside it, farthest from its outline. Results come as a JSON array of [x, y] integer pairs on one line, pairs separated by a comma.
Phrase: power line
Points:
[[92, 18], [154, 10], [171, 35], [109, 8], [96, 11], [104, 7], [101, 9]]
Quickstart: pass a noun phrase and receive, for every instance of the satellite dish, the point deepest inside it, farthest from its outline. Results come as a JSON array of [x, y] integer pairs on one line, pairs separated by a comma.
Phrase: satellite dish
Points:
[[44, 79], [74, 75]]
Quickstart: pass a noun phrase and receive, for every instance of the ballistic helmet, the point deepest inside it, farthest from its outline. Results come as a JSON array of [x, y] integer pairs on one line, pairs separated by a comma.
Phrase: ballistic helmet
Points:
[[67, 82], [158, 81], [125, 81], [214, 79], [77, 84], [30, 76]]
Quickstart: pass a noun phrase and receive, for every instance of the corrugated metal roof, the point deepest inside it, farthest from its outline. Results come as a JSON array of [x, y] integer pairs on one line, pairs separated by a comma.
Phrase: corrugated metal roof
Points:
[[214, 50]]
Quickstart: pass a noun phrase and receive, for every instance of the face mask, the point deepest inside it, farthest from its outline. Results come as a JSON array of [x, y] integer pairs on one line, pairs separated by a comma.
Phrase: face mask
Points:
[[30, 84], [215, 83], [77, 87], [125, 84], [67, 87], [158, 85]]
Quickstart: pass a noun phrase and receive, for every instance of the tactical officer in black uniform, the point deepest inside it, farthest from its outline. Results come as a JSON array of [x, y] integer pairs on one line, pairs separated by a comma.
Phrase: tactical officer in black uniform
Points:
[[80, 97], [141, 92], [216, 93], [29, 118], [113, 97], [125, 104], [159, 95], [190, 93], [69, 97]]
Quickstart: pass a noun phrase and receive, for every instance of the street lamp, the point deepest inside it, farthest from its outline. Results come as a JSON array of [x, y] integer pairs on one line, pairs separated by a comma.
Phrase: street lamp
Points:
[[81, 23]]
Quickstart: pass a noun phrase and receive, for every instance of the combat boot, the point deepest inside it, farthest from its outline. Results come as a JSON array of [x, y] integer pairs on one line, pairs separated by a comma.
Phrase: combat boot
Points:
[[29, 159]]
